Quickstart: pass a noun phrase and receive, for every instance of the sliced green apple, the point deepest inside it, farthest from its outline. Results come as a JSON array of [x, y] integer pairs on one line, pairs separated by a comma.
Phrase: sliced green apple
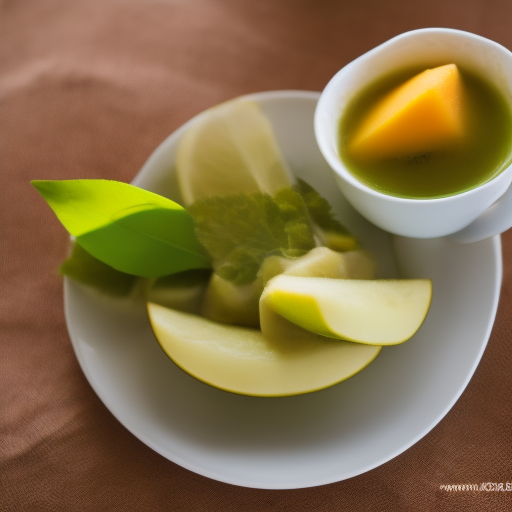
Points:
[[239, 305], [242, 360], [374, 312]]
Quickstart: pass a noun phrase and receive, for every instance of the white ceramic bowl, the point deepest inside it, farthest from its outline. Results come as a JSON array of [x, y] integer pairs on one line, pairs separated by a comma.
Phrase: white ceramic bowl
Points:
[[308, 440]]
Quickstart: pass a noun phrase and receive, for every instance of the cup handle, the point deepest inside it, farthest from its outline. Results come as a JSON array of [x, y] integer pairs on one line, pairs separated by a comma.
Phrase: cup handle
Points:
[[495, 220]]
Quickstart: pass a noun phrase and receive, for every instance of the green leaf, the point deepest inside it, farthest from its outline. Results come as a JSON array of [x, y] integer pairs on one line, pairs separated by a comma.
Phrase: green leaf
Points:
[[241, 230], [332, 233], [86, 269], [130, 229], [319, 208], [297, 223]]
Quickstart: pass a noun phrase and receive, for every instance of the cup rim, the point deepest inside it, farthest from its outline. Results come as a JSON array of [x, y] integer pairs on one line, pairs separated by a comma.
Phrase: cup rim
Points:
[[334, 161]]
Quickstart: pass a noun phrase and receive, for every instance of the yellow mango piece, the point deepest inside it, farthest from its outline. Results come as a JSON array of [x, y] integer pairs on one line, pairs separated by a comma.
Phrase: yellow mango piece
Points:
[[424, 114]]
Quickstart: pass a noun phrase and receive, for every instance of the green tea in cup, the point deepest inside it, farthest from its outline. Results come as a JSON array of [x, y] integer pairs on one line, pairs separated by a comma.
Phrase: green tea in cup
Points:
[[403, 137], [444, 171]]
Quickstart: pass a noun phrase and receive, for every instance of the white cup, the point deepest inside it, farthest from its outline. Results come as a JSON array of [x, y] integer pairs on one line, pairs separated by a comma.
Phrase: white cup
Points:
[[469, 216]]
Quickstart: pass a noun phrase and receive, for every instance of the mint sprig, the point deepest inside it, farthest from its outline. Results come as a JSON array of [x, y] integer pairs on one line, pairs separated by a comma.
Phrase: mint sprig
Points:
[[329, 230], [320, 209], [241, 230]]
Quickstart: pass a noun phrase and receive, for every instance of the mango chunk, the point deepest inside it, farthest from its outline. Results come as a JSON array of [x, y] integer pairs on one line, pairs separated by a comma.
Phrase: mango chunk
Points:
[[424, 114]]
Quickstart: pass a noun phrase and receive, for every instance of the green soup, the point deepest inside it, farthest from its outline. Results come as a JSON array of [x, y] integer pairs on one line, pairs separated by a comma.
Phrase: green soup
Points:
[[486, 151]]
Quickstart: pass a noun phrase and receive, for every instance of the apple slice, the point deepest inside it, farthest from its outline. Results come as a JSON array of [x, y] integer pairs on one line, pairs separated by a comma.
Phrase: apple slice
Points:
[[374, 312], [242, 360], [239, 305]]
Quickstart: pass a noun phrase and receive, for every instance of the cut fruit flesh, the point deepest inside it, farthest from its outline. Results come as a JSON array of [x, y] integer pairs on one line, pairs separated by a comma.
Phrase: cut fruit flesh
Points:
[[240, 305], [230, 148], [324, 262], [281, 360], [320, 262], [228, 303], [424, 114], [381, 312], [241, 360]]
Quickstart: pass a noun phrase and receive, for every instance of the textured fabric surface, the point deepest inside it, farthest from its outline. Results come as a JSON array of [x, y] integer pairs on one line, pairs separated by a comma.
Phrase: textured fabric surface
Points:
[[87, 90]]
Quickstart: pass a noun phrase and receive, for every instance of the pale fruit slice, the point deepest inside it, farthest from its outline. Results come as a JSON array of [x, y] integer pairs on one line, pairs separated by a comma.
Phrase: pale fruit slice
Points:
[[375, 312], [423, 114], [324, 262], [230, 148], [241, 360], [240, 305], [319, 262], [228, 303]]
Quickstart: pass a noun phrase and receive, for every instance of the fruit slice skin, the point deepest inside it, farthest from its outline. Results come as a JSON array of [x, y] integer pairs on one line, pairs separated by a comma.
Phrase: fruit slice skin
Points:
[[230, 148], [241, 360], [424, 114], [374, 312]]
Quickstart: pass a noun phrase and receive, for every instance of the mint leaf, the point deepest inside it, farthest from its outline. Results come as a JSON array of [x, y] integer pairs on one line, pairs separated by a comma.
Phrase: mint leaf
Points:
[[333, 234], [130, 229], [86, 269], [241, 230], [297, 227], [319, 208]]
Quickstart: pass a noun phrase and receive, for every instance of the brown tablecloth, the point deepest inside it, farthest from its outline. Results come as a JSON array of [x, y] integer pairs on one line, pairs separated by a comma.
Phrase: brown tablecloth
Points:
[[88, 89]]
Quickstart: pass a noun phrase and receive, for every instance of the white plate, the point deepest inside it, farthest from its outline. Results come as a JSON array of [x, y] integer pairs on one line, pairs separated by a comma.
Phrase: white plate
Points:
[[308, 440]]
